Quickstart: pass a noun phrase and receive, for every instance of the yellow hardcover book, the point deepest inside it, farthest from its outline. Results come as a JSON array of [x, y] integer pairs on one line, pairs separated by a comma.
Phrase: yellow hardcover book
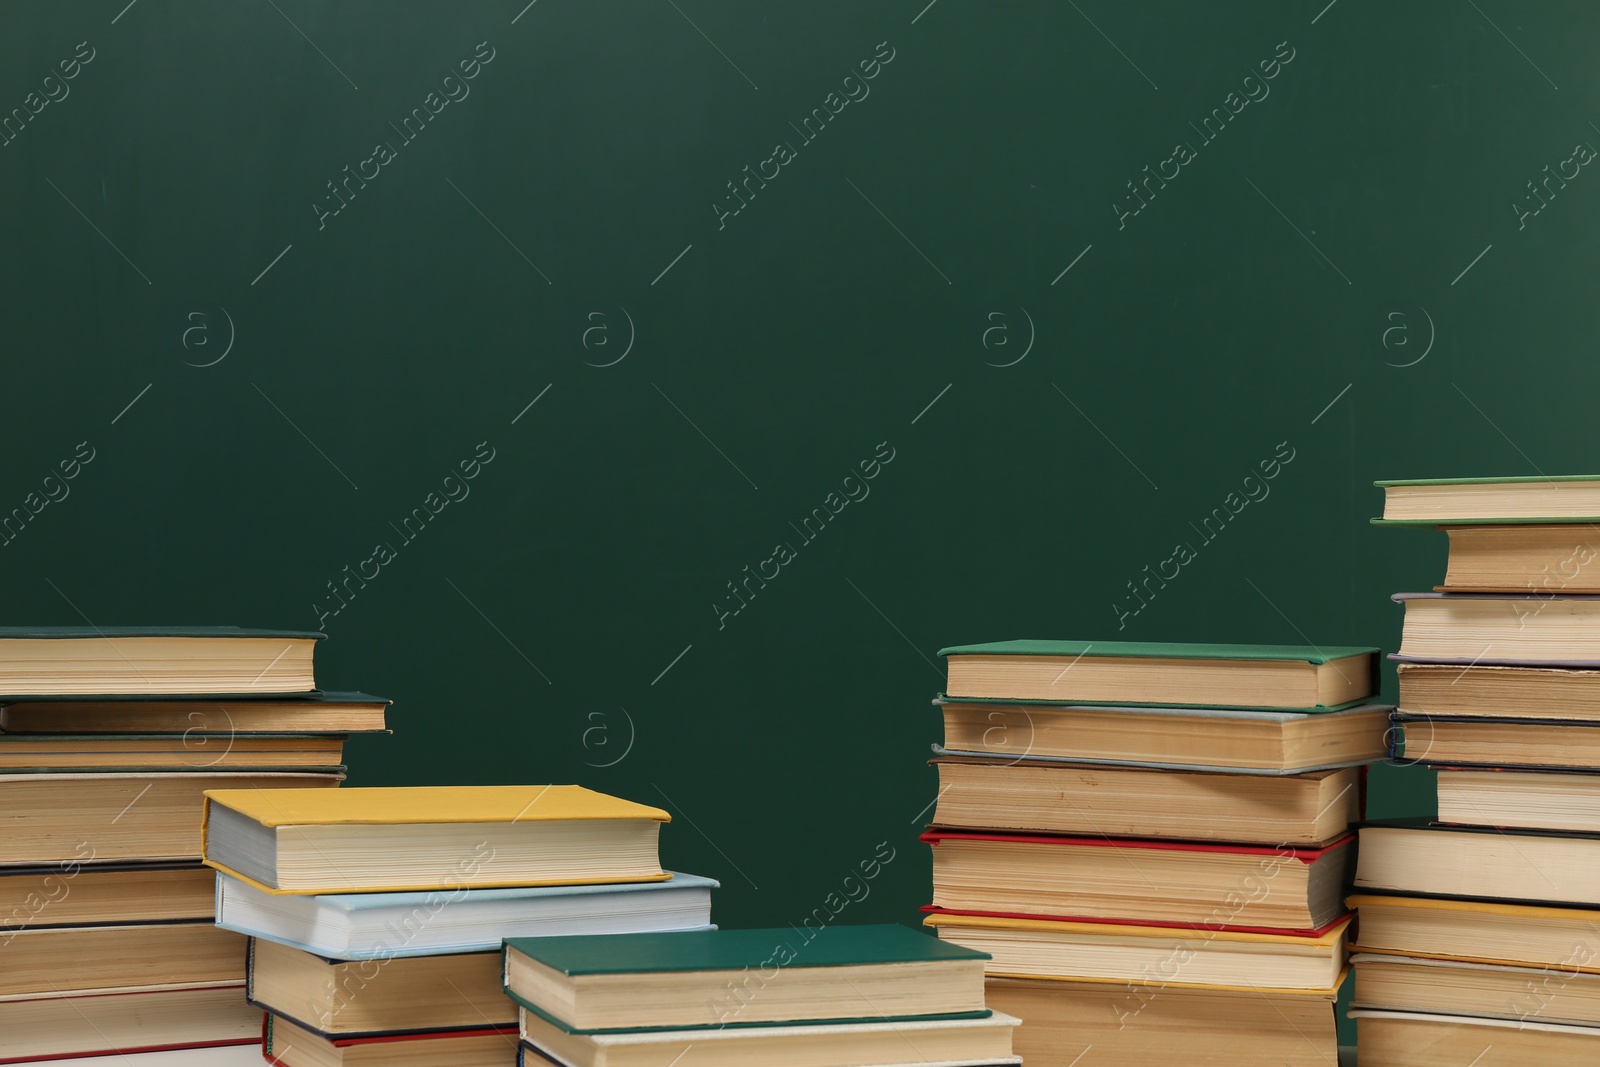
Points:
[[1064, 951], [1479, 931], [429, 838]]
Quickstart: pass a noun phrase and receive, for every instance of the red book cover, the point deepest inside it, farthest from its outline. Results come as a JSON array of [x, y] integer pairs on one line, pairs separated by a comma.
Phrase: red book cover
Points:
[[131, 1050], [1304, 855]]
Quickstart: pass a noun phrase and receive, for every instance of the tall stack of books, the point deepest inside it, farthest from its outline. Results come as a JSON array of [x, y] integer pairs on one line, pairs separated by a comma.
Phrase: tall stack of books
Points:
[[1152, 841], [108, 740], [835, 996], [1479, 934], [376, 916]]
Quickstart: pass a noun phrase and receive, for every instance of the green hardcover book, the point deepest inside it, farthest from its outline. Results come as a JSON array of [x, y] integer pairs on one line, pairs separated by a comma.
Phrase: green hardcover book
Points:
[[1490, 501], [1153, 672], [704, 979], [49, 660]]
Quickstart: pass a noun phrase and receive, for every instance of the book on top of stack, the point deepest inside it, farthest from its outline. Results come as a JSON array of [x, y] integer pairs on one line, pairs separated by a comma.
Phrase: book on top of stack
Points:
[[1153, 842], [838, 996], [376, 916], [109, 737], [1478, 928]]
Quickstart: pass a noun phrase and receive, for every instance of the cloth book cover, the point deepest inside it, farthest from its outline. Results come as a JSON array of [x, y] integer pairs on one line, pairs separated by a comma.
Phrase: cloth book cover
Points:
[[310, 697], [736, 951], [397, 925], [987, 917], [269, 1038], [1158, 650], [1304, 855], [1485, 660], [1224, 710], [1468, 521]]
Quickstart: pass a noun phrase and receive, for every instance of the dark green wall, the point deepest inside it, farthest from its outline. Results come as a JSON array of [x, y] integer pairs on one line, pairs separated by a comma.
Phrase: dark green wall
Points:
[[1245, 306]]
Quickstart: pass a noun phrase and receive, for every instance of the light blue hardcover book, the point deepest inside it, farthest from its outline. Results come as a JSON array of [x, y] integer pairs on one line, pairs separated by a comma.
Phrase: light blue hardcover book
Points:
[[366, 926]]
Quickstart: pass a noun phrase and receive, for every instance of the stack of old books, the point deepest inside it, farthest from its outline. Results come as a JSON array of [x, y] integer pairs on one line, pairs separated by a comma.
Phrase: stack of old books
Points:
[[108, 740], [1479, 930], [376, 916], [827, 996], [1152, 841]]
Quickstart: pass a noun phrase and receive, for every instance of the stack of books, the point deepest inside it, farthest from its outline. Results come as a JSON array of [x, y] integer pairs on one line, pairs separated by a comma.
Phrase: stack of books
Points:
[[1481, 928], [833, 996], [376, 916], [108, 740], [1152, 841]]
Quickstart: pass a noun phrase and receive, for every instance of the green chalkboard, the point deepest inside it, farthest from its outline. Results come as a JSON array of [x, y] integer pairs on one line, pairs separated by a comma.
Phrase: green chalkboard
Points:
[[640, 393]]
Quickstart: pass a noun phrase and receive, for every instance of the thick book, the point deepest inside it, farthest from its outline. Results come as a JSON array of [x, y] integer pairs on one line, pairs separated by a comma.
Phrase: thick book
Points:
[[1538, 559], [1477, 931], [126, 1022], [203, 714], [69, 960], [1498, 630], [382, 926], [1141, 880], [287, 1045], [732, 978], [337, 999], [116, 817], [1483, 863], [114, 894], [91, 660], [1498, 692], [1418, 1039], [1169, 737], [1491, 501], [1173, 956], [1564, 744], [1514, 798], [199, 750], [1039, 797], [1149, 672], [429, 838], [1076, 1024], [935, 1042], [1488, 990]]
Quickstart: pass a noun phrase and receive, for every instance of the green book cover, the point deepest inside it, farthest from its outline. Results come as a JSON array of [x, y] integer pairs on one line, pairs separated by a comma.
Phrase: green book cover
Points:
[[1490, 481], [1159, 650], [57, 633], [734, 950]]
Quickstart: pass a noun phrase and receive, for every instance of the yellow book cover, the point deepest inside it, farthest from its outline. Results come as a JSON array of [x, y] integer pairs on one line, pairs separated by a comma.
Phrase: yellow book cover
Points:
[[1329, 936], [428, 804]]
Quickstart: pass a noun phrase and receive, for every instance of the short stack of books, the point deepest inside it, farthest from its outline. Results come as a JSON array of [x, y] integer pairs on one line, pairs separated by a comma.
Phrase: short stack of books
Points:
[[1152, 841], [835, 996], [108, 740], [1480, 930], [376, 916]]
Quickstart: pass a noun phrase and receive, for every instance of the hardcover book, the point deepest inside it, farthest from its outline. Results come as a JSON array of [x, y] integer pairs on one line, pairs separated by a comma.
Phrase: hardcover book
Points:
[[1486, 990], [939, 1043], [1137, 879], [83, 660], [1063, 798], [338, 999], [1169, 738], [1171, 956], [110, 894], [1486, 863], [429, 838], [1477, 931], [1138, 672], [197, 751], [730, 978], [126, 1022], [88, 818], [1493, 501], [1490, 629], [1416, 1039], [360, 926], [71, 960], [1498, 692], [306, 713], [288, 1045]]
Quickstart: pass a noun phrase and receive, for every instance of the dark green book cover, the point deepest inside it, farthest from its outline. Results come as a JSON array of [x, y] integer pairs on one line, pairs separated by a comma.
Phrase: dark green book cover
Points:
[[57, 633], [1159, 650], [734, 950]]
